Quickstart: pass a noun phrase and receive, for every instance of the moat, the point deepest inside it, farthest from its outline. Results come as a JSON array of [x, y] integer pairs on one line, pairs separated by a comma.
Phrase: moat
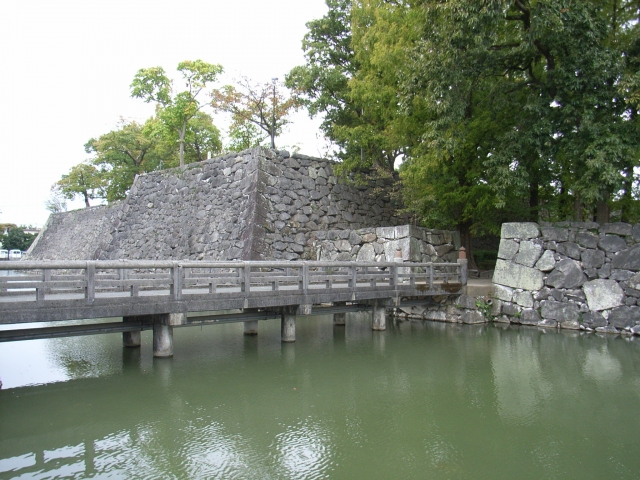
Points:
[[419, 400]]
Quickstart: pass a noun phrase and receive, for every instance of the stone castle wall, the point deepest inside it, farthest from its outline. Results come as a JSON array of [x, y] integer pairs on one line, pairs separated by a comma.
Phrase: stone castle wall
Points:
[[76, 235], [570, 275], [257, 204]]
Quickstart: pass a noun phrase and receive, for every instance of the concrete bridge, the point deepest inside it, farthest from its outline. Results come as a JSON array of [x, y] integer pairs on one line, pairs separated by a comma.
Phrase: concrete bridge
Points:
[[161, 295]]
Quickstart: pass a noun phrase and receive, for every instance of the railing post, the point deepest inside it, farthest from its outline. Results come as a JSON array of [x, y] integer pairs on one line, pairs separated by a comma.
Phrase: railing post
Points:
[[176, 284], [40, 292], [463, 263], [246, 282], [394, 280], [90, 275], [305, 278], [354, 275]]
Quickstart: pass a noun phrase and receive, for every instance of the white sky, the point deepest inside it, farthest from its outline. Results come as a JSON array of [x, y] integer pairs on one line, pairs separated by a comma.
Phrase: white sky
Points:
[[66, 67]]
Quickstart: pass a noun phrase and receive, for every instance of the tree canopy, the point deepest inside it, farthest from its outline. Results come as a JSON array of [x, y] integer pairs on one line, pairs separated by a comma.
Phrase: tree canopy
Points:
[[175, 109], [17, 239], [254, 107], [500, 110]]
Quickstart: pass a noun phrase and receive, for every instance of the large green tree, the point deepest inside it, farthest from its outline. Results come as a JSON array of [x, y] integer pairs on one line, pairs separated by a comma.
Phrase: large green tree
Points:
[[83, 180], [175, 109], [17, 239]]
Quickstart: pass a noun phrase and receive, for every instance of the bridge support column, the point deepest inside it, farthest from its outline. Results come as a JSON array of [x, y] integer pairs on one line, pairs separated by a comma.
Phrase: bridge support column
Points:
[[251, 327], [339, 319], [288, 327], [131, 339], [379, 317], [162, 340]]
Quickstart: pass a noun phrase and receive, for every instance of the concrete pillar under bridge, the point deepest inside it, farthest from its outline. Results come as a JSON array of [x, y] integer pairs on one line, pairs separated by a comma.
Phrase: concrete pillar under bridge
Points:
[[163, 324], [379, 317], [251, 327]]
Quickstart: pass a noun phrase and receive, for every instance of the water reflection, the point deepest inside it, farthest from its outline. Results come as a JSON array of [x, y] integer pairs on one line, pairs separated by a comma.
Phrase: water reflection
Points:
[[419, 400]]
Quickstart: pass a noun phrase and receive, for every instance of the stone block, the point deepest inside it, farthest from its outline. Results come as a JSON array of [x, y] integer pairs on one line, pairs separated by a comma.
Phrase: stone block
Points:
[[612, 243], [510, 309], [524, 299], [508, 249], [529, 317], [523, 230], [628, 259], [555, 234], [570, 325], [570, 249], [603, 294], [528, 253], [634, 281], [567, 274], [593, 320], [473, 317], [592, 258], [621, 275], [548, 323], [547, 261], [623, 317], [559, 311], [619, 228], [517, 276], [502, 293], [587, 240], [466, 301]]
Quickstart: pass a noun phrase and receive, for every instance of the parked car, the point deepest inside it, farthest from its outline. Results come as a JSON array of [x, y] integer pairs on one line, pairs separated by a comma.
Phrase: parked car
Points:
[[4, 254], [15, 254]]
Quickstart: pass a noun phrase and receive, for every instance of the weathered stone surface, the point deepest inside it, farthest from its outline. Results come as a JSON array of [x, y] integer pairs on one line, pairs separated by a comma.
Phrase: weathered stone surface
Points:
[[466, 301], [548, 323], [593, 320], [587, 240], [634, 282], [472, 317], [570, 325], [612, 243], [559, 311], [618, 228], [524, 299], [603, 294], [621, 275], [508, 248], [628, 259], [623, 317], [517, 276], [547, 261], [567, 274], [555, 234], [569, 249], [528, 253], [592, 258], [510, 309], [607, 329], [529, 317], [522, 230], [366, 253], [502, 293]]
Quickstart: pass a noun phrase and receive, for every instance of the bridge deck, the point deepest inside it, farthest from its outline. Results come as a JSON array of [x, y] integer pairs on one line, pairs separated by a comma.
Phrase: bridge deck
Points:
[[57, 291]]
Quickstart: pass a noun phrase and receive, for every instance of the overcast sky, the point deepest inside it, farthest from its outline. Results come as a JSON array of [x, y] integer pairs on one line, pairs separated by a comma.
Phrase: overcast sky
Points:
[[66, 67]]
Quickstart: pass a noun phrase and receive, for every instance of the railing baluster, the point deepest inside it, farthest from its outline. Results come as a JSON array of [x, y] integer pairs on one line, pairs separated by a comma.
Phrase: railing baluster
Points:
[[246, 279], [90, 277], [305, 278], [176, 283]]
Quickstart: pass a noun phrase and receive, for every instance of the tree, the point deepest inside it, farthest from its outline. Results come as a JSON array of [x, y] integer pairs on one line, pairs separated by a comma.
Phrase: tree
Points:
[[244, 135], [175, 109], [56, 202], [17, 239], [266, 106], [83, 179]]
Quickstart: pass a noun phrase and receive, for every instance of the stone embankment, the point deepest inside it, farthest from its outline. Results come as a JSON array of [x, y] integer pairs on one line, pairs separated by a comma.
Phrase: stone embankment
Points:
[[569, 275], [253, 205]]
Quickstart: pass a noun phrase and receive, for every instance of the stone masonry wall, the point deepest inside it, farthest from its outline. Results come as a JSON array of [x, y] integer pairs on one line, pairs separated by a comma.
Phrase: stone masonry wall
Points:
[[76, 235], [380, 244], [569, 275], [257, 204]]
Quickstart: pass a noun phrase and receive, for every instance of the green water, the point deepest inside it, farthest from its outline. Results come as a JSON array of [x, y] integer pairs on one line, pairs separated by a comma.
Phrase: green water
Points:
[[417, 401]]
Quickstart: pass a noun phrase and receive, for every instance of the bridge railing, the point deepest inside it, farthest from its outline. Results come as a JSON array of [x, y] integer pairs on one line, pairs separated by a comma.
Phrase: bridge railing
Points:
[[38, 281]]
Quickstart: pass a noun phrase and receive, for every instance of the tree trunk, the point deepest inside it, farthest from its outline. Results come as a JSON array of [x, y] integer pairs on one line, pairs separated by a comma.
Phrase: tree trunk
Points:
[[466, 240], [182, 133], [534, 200], [577, 208], [602, 210], [86, 199]]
